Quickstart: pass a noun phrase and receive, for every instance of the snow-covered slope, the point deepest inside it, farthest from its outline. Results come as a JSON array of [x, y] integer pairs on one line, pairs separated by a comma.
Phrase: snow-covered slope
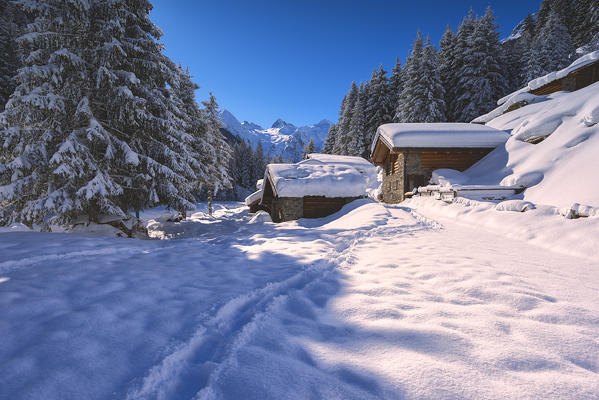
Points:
[[563, 168], [281, 138]]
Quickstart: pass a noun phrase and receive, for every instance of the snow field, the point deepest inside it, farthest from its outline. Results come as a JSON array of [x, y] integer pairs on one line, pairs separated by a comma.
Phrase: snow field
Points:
[[373, 302]]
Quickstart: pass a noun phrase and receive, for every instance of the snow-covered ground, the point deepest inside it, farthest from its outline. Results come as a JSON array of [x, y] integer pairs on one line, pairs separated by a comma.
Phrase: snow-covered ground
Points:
[[372, 302]]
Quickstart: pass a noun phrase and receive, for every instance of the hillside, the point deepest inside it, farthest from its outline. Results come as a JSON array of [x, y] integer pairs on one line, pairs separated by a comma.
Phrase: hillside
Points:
[[562, 168], [281, 138]]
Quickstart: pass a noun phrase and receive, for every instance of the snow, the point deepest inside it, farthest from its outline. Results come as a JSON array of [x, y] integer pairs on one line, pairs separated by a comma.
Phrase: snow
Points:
[[253, 197], [401, 135], [560, 170], [422, 300], [315, 178], [519, 97], [580, 62], [359, 163], [515, 205]]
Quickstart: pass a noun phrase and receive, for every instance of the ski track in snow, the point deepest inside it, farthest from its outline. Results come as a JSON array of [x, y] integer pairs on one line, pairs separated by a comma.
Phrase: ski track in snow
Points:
[[373, 302]]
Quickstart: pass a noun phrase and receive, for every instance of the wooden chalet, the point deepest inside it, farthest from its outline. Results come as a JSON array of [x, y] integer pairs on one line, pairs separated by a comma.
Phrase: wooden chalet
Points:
[[312, 188], [410, 152]]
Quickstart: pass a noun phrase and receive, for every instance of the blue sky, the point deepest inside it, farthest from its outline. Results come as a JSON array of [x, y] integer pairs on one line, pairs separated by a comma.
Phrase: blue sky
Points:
[[295, 59]]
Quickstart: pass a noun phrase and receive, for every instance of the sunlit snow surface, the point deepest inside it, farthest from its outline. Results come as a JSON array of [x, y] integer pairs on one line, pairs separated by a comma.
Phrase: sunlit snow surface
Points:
[[372, 302]]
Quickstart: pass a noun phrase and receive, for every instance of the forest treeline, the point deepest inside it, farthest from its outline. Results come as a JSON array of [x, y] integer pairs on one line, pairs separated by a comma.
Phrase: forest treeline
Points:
[[465, 76]]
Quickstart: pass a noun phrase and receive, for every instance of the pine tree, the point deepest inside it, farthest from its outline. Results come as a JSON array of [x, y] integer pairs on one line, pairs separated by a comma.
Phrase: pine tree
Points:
[[552, 49], [355, 141], [308, 149], [259, 163], [217, 152], [9, 60], [95, 125], [395, 85], [421, 100], [462, 50], [586, 26], [329, 143], [484, 79], [445, 65], [378, 108], [46, 166], [343, 127]]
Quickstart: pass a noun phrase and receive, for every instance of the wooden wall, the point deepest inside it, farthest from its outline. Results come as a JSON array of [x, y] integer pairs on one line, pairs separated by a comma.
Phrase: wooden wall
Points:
[[576, 80], [459, 160], [320, 206]]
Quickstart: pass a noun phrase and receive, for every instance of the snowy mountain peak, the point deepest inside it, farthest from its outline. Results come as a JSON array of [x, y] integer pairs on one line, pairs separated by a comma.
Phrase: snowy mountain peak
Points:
[[282, 138], [279, 123]]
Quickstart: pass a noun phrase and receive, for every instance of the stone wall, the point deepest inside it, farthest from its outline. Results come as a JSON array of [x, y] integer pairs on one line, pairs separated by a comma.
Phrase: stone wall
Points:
[[287, 208], [409, 174]]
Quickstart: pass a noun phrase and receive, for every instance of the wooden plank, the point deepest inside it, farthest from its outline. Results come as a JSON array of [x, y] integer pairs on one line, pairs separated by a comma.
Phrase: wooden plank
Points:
[[320, 206]]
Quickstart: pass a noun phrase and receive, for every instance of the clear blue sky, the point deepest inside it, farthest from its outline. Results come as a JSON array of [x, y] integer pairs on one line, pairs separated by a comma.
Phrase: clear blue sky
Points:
[[295, 59]]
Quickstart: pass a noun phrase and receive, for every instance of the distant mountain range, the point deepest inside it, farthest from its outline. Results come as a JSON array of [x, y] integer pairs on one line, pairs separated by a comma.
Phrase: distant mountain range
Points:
[[281, 138]]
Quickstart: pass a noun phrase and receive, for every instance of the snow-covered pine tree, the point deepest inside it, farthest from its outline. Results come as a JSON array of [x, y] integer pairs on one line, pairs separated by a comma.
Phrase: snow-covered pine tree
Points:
[[51, 161], [9, 60], [421, 100], [552, 49], [133, 82], [483, 70], [378, 109], [409, 97], [516, 55], [445, 64], [308, 149], [218, 150], [343, 127], [462, 49], [395, 86], [95, 125], [586, 27], [433, 93], [355, 140], [192, 123], [329, 143], [259, 165]]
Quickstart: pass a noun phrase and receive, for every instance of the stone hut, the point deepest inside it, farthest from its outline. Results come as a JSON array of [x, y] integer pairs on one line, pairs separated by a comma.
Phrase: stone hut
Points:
[[410, 152], [313, 188]]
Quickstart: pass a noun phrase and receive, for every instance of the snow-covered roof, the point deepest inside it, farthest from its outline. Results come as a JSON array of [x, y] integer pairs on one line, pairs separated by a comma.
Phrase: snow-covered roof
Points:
[[252, 198], [316, 178], [579, 63], [443, 134], [359, 163]]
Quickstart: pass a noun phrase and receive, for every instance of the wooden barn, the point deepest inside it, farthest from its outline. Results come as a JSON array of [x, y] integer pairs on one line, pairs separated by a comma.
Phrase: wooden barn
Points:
[[410, 152], [313, 188]]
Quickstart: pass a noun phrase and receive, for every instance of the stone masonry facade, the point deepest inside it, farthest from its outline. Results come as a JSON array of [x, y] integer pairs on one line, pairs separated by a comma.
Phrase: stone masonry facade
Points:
[[404, 177], [287, 208]]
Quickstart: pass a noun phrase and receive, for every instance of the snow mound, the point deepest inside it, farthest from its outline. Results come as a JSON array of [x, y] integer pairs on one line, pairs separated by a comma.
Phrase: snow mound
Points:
[[519, 98], [526, 180], [515, 205], [447, 177], [260, 217], [560, 170]]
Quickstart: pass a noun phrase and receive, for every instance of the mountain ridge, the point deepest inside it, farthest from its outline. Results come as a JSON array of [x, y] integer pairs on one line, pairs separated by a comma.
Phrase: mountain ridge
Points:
[[282, 137]]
